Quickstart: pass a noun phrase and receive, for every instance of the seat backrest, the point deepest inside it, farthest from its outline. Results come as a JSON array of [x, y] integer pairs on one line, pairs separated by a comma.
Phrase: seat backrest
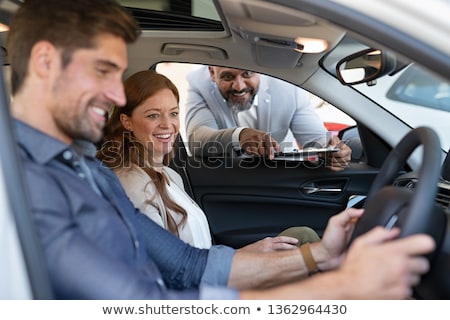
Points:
[[179, 162]]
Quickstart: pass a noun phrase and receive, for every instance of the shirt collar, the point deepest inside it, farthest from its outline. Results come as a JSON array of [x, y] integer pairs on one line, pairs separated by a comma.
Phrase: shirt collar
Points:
[[49, 147], [255, 100], [84, 148]]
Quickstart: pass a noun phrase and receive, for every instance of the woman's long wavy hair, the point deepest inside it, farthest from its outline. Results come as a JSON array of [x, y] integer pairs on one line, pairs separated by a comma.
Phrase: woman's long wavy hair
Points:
[[120, 148]]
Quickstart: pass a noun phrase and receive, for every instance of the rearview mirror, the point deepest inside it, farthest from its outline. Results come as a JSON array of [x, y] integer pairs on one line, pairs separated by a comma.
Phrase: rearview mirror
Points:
[[365, 66]]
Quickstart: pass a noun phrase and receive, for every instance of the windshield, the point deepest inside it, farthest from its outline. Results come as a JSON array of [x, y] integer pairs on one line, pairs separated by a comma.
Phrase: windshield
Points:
[[416, 96]]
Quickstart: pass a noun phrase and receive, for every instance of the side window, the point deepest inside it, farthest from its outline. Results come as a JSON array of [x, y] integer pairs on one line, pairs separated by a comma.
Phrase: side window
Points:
[[334, 120], [421, 88]]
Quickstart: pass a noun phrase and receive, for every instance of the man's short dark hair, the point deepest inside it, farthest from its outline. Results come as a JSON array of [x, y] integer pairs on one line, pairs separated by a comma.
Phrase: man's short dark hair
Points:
[[68, 25]]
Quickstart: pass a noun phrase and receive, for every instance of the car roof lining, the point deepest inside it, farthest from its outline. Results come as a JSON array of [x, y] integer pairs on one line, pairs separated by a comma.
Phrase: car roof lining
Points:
[[261, 42]]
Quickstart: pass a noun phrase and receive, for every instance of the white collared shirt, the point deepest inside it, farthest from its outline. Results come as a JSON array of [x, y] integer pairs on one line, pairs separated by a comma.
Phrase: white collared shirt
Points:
[[249, 119]]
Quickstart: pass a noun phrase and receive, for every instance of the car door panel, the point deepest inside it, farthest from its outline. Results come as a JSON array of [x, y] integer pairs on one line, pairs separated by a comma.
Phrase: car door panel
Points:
[[247, 200], [260, 216]]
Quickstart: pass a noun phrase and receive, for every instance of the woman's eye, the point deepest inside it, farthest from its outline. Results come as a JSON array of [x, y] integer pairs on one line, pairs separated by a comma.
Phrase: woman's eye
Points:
[[153, 116], [174, 114]]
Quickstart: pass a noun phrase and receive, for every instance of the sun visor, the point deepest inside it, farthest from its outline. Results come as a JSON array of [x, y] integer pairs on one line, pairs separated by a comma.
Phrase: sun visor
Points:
[[274, 52]]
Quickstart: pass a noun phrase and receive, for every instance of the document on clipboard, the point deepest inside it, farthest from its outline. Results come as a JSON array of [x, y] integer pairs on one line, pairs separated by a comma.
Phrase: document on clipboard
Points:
[[308, 154]]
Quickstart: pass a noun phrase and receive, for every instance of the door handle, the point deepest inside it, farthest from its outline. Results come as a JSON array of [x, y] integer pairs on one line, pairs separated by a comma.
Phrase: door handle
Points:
[[311, 189]]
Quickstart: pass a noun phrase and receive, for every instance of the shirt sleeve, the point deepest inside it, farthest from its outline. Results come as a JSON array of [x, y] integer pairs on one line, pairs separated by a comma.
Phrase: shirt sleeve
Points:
[[218, 266], [206, 136], [235, 138]]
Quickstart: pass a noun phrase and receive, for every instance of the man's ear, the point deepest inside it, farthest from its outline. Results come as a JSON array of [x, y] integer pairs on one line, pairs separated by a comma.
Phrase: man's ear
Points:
[[126, 123], [43, 57]]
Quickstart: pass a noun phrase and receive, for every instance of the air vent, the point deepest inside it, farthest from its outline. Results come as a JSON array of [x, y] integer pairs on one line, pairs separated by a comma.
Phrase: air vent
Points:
[[406, 183], [158, 20], [442, 196]]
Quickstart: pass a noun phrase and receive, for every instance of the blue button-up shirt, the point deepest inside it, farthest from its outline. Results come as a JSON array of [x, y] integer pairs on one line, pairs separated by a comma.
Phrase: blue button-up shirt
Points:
[[96, 244]]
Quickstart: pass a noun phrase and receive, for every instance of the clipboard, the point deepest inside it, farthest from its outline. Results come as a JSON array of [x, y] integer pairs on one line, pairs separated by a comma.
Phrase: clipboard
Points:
[[308, 154]]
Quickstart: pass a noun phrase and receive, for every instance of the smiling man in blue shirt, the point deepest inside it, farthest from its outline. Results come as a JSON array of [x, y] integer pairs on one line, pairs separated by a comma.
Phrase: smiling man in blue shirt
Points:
[[67, 60]]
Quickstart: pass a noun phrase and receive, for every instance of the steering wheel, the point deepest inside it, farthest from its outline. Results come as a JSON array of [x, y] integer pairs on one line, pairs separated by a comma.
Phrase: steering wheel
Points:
[[412, 210], [407, 209]]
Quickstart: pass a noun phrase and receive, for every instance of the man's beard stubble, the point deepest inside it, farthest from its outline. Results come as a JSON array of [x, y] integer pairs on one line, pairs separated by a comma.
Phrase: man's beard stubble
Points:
[[77, 127], [241, 105]]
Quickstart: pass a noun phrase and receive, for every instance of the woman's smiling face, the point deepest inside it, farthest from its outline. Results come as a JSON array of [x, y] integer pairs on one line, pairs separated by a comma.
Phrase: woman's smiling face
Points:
[[155, 123]]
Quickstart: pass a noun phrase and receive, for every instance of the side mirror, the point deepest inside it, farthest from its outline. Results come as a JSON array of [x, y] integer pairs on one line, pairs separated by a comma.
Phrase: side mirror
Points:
[[364, 66]]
